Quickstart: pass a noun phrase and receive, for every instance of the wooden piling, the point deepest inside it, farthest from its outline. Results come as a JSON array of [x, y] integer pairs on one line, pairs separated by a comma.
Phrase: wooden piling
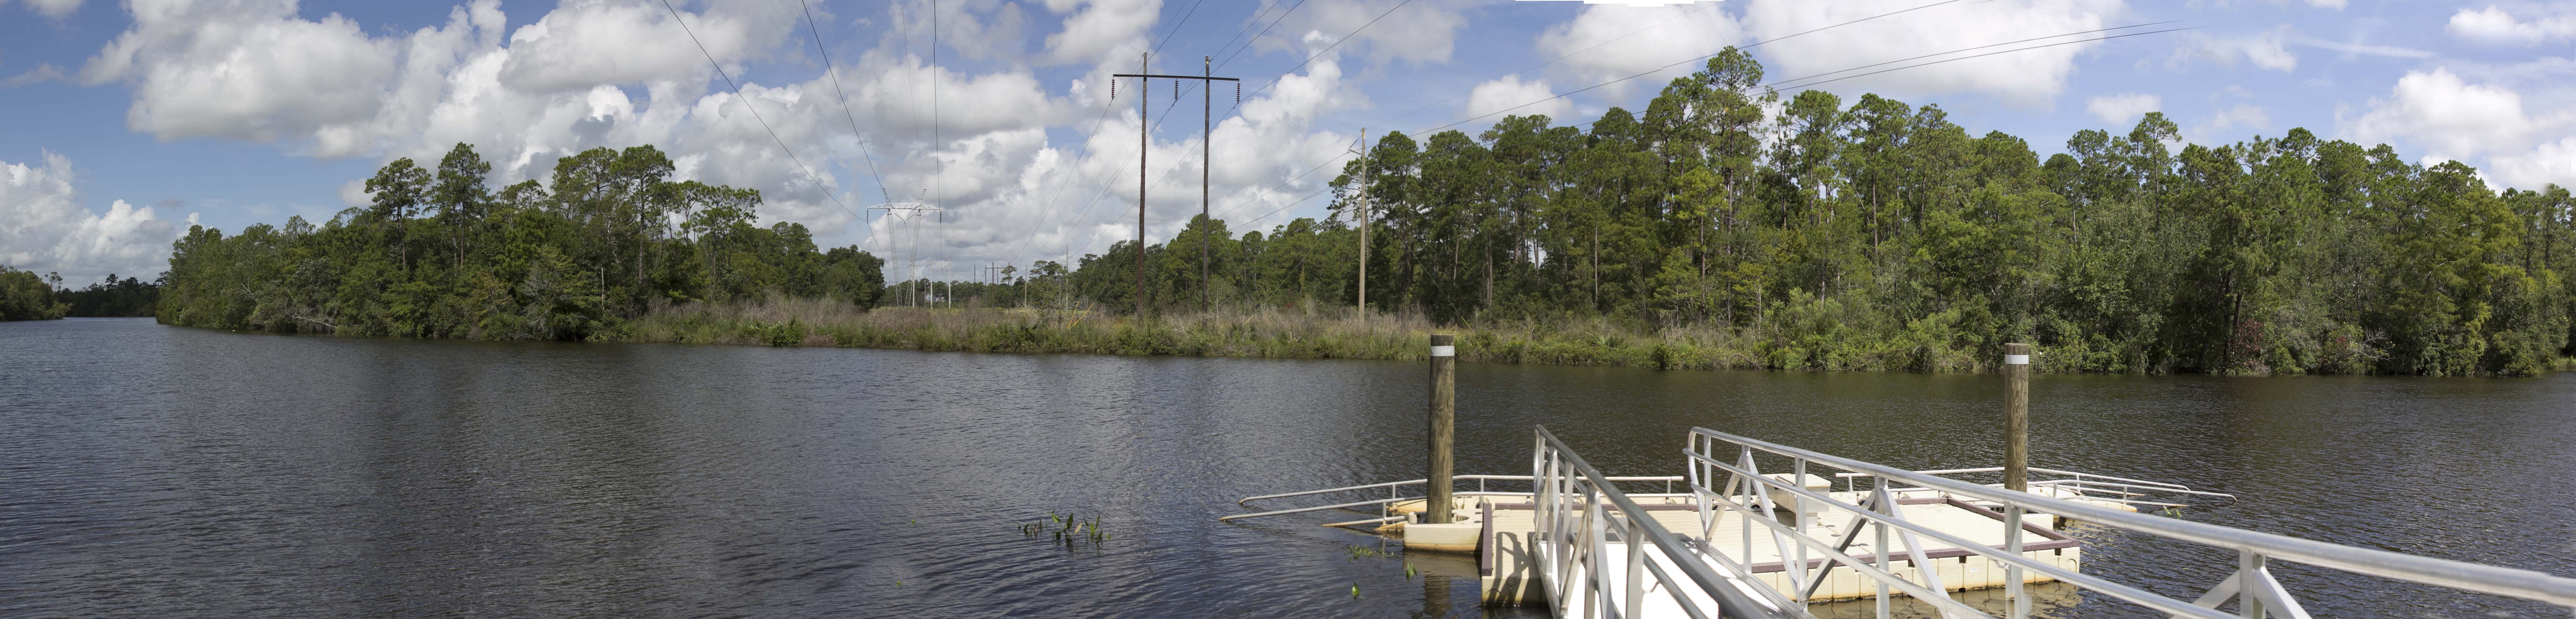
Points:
[[2017, 417], [1444, 417]]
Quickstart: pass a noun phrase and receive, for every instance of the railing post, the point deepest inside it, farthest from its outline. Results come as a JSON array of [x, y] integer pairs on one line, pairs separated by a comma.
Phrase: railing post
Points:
[[1444, 401], [2249, 574]]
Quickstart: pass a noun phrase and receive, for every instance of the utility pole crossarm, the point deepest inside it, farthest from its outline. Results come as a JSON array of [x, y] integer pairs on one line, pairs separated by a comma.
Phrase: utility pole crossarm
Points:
[[1175, 77]]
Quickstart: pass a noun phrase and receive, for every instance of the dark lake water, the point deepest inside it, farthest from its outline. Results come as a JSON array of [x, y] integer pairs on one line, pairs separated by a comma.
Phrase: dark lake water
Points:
[[157, 471]]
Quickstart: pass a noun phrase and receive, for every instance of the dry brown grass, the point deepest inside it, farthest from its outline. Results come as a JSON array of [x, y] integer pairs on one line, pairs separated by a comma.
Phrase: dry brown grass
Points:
[[1265, 332]]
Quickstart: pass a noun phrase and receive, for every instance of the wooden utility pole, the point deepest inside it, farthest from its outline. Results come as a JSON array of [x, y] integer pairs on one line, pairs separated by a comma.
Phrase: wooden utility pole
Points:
[[1144, 85], [1364, 226], [2017, 417], [1207, 129], [1444, 429]]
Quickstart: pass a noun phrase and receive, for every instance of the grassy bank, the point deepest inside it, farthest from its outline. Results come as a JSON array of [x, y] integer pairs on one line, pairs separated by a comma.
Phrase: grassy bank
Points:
[[1291, 335]]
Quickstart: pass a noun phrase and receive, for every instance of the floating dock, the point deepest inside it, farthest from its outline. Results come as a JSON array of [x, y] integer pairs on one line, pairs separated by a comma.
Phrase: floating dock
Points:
[[1819, 532]]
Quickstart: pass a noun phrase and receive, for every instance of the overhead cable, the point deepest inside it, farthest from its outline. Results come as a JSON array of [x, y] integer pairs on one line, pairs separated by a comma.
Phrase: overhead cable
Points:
[[746, 104]]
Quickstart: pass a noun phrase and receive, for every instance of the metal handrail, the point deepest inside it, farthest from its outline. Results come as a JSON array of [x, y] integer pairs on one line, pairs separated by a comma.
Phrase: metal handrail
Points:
[[1998, 469], [1400, 499], [1417, 482], [2252, 581], [1558, 548]]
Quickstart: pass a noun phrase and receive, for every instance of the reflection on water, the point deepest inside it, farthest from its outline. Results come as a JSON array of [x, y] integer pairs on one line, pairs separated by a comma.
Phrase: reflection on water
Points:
[[147, 470]]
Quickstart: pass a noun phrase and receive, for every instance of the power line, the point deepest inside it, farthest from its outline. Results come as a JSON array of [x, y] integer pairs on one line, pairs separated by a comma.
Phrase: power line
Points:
[[1176, 26], [1830, 27], [1104, 186], [1247, 44], [844, 97], [1668, 66], [746, 103], [1462, 93], [1283, 207], [1104, 110], [1283, 16], [2053, 36], [1266, 192], [1327, 49], [2007, 51]]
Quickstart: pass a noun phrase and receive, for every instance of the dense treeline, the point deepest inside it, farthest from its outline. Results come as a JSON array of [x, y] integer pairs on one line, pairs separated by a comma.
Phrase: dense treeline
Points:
[[1881, 235], [24, 296], [1721, 227], [113, 298], [439, 253]]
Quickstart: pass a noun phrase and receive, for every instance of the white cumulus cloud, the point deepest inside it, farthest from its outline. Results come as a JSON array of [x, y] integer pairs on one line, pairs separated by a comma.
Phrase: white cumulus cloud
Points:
[[2551, 162], [1514, 97], [2448, 117], [1099, 28], [1607, 42], [43, 228], [248, 70], [2269, 49], [2492, 25], [56, 9], [2122, 109], [2029, 77], [575, 79], [2442, 113], [1419, 31]]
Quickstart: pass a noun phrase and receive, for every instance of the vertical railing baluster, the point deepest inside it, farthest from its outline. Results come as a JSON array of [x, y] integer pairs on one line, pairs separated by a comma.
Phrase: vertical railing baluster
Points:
[[1744, 454], [2013, 592], [1593, 553], [1798, 511], [1881, 548], [1636, 576]]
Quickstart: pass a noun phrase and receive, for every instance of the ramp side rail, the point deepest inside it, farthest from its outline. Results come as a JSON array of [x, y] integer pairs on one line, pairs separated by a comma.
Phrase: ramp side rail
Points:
[[2091, 486], [1747, 490], [1394, 494], [1580, 512]]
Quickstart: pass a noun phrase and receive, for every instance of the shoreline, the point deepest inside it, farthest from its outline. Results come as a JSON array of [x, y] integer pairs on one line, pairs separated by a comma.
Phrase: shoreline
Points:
[[1283, 335], [1272, 334]]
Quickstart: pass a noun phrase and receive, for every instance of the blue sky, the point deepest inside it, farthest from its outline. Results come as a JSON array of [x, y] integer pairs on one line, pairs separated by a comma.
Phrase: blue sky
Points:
[[131, 120]]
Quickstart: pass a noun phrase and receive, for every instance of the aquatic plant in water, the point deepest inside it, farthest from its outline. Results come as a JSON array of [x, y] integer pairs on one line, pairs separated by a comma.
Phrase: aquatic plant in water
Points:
[[1068, 530]]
